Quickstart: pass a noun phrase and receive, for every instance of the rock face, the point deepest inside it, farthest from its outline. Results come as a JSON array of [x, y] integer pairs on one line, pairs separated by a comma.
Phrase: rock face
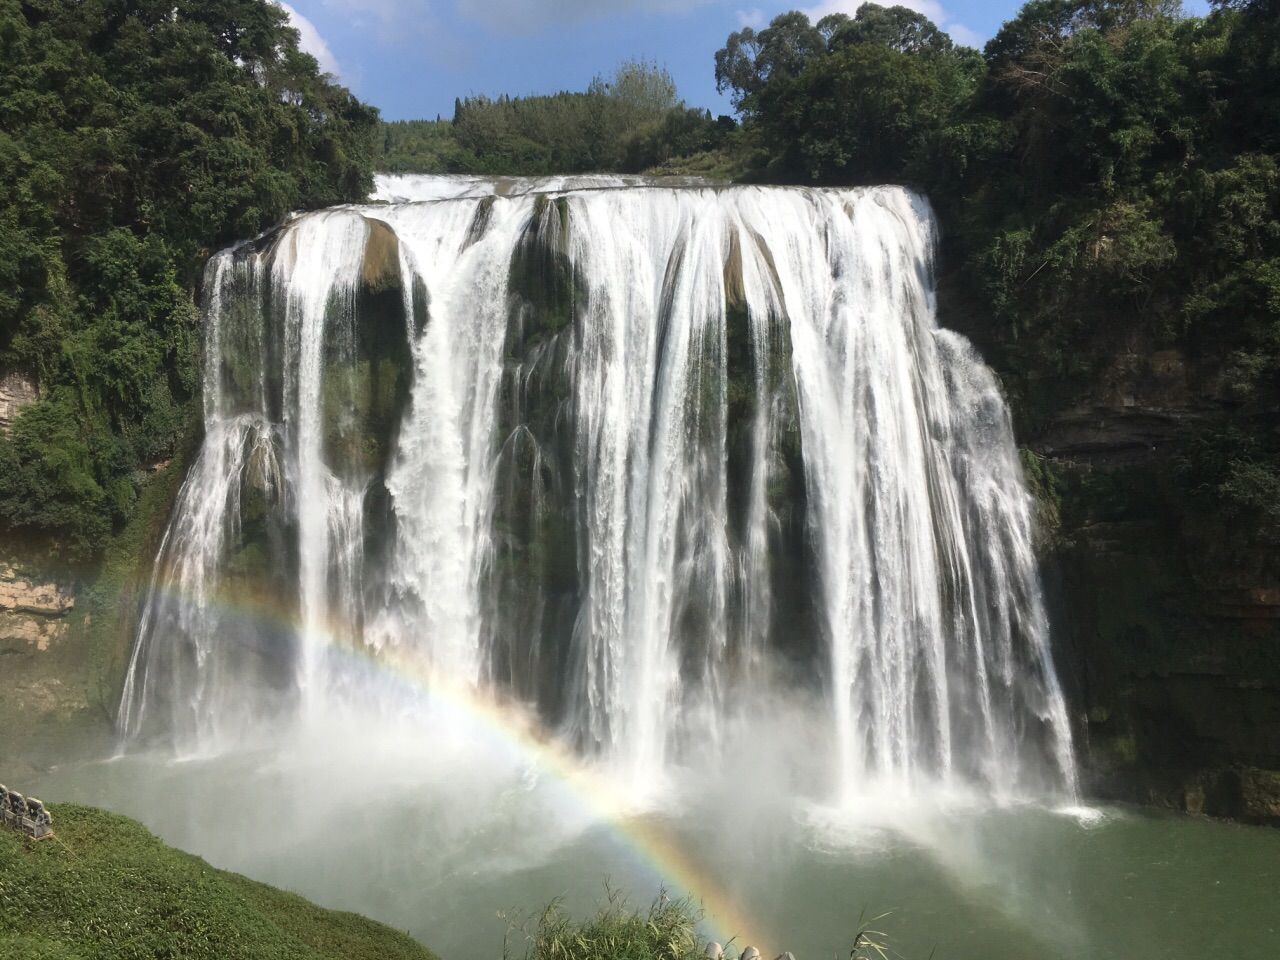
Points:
[[40, 665], [1168, 615], [24, 634], [16, 391]]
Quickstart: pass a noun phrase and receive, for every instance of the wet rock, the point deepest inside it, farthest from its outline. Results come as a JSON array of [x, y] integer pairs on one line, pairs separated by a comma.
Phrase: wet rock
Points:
[[45, 697], [750, 953], [785, 956], [714, 951], [381, 268]]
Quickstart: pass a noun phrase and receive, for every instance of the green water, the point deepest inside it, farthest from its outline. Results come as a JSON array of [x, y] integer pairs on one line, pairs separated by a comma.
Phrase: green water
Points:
[[440, 849]]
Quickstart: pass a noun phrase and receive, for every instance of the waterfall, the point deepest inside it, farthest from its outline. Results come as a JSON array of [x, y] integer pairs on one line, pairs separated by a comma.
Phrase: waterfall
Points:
[[634, 455]]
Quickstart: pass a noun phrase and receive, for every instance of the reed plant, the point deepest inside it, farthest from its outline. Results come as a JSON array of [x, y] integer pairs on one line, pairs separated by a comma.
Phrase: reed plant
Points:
[[668, 930]]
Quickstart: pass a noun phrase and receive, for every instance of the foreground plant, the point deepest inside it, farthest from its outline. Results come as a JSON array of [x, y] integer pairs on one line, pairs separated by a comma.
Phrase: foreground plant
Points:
[[667, 931]]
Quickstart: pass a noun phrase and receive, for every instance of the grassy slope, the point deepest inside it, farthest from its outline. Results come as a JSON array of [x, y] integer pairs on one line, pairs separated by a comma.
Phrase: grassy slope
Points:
[[110, 889]]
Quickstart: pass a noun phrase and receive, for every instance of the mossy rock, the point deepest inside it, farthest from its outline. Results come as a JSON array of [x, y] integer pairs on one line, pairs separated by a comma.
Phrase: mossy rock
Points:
[[244, 340], [543, 285], [368, 361], [360, 404]]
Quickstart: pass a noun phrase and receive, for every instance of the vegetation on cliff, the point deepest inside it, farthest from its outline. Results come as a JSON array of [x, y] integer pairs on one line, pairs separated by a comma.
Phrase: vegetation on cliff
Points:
[[135, 138], [108, 888]]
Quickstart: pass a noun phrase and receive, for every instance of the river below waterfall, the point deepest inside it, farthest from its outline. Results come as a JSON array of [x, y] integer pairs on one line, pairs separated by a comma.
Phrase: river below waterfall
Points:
[[384, 827]]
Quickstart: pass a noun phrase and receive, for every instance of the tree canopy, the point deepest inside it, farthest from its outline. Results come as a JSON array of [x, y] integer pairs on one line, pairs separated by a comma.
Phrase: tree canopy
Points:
[[851, 99]]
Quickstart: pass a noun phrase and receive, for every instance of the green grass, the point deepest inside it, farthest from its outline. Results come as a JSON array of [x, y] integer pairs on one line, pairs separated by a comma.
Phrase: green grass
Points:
[[107, 888]]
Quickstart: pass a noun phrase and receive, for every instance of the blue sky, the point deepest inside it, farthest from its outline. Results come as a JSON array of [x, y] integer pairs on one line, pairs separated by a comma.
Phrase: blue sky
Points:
[[412, 57]]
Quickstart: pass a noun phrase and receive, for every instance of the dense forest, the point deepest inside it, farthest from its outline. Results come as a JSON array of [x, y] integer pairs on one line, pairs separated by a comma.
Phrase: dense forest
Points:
[[135, 138], [630, 122], [1106, 173]]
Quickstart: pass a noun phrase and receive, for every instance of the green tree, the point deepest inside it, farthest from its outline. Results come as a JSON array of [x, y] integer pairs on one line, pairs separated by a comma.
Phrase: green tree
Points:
[[628, 122], [854, 100], [748, 61], [852, 117], [641, 85]]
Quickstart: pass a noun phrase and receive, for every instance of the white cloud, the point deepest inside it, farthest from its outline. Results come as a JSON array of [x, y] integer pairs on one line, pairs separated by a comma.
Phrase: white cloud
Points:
[[966, 37], [930, 8], [522, 15], [392, 19], [310, 41], [753, 18], [405, 22]]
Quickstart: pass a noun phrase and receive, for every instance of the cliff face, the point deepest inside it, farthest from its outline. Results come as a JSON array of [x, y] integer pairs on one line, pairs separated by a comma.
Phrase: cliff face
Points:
[[48, 691], [43, 689], [65, 638], [1168, 609]]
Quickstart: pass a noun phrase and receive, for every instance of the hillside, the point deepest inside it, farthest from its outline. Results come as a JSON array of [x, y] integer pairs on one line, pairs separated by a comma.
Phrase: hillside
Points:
[[108, 888]]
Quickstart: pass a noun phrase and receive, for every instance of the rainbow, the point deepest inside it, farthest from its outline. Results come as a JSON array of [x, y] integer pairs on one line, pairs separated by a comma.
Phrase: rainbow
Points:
[[511, 728]]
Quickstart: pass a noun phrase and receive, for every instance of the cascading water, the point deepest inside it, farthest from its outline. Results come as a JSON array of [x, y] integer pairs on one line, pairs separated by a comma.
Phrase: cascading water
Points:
[[632, 455]]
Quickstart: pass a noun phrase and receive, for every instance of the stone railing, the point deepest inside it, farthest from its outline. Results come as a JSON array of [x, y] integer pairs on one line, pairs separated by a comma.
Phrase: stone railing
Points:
[[25, 814], [716, 952]]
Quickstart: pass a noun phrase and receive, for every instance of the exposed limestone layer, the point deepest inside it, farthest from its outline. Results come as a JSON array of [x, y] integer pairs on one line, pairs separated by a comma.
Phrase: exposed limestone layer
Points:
[[27, 633], [16, 391], [44, 687], [32, 614], [21, 595]]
